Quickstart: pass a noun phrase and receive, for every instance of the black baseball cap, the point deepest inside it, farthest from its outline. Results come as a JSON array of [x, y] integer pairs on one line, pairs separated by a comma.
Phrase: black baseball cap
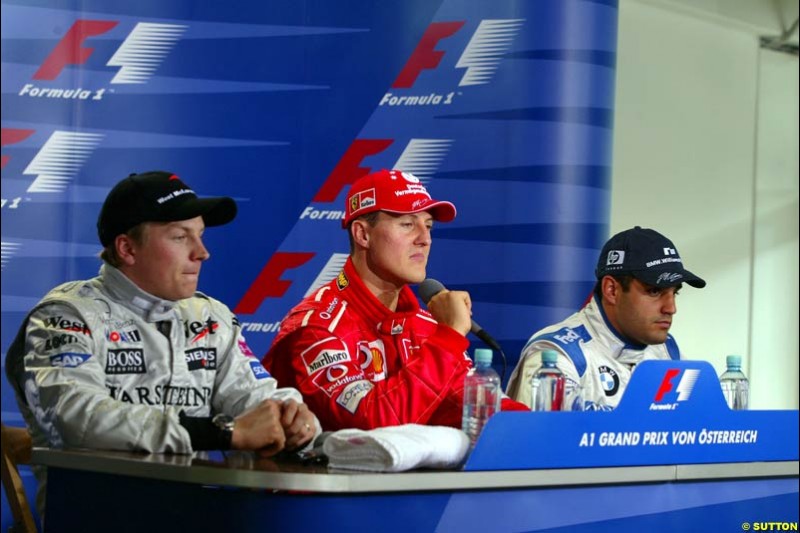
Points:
[[646, 255], [157, 196]]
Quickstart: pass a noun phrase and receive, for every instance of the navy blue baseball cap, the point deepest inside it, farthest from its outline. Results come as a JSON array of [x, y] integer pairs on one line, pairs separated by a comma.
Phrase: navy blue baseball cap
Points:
[[157, 196], [646, 255]]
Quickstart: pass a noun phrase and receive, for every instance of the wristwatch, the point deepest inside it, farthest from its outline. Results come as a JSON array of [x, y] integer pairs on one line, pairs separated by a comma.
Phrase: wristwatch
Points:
[[224, 424]]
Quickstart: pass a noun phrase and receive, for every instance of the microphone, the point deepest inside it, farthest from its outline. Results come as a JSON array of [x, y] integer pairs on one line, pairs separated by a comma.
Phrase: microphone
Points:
[[431, 287]]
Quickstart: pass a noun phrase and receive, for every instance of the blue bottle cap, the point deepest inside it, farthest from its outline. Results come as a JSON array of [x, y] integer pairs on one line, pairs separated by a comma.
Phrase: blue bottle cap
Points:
[[733, 360], [549, 356], [483, 356]]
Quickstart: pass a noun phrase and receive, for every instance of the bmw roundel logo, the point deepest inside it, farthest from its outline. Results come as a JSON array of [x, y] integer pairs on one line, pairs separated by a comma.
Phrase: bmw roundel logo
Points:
[[609, 380]]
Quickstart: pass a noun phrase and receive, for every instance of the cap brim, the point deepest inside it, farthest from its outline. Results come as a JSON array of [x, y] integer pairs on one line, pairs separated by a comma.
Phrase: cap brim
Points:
[[215, 211], [441, 211], [668, 278]]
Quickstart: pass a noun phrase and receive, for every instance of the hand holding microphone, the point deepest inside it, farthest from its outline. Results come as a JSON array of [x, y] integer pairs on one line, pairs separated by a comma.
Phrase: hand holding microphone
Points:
[[430, 288], [452, 308]]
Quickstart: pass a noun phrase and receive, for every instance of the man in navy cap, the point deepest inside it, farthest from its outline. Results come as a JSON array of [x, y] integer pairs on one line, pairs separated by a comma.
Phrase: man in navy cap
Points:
[[639, 273]]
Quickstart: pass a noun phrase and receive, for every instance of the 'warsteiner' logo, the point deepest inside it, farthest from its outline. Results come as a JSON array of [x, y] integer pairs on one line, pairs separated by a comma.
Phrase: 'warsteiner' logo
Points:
[[138, 57], [480, 58], [663, 399]]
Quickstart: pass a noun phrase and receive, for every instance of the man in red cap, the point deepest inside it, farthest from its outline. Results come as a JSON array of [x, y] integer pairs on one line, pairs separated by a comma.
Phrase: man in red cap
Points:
[[360, 349]]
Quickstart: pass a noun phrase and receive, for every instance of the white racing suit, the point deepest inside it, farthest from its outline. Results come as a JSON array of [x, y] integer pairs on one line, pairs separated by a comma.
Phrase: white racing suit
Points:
[[102, 364], [590, 352]]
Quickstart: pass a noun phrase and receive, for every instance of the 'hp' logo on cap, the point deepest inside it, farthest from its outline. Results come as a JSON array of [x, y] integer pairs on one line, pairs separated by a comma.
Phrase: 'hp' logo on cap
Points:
[[615, 257]]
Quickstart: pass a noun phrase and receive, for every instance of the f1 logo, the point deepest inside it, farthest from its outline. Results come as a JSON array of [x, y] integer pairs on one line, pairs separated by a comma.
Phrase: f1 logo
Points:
[[420, 157], [269, 282], [480, 57], [58, 161], [140, 54], [685, 385], [425, 55], [12, 136]]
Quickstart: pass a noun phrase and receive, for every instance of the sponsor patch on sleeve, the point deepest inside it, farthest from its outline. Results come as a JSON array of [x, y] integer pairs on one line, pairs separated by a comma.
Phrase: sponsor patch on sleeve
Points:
[[244, 348], [69, 359], [327, 352], [352, 394], [259, 371]]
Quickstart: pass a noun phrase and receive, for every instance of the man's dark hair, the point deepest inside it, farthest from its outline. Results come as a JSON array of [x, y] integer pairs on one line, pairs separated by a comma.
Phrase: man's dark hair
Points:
[[109, 253], [623, 279], [369, 218]]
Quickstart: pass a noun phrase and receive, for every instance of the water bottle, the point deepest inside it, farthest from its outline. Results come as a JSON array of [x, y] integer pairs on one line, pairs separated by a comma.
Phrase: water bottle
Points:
[[547, 386], [735, 386], [482, 395]]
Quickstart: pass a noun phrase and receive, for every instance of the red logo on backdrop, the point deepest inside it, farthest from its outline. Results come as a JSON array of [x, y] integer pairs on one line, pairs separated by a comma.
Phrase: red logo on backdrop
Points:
[[269, 282], [70, 50], [137, 58], [684, 387], [425, 55], [479, 60], [349, 168], [12, 136]]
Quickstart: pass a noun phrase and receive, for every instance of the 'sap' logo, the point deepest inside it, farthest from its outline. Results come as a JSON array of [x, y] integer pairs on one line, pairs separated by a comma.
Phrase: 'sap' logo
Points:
[[480, 57], [140, 54], [685, 385], [58, 161]]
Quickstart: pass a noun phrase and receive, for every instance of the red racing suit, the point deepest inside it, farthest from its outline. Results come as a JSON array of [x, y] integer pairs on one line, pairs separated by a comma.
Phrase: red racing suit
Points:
[[360, 365]]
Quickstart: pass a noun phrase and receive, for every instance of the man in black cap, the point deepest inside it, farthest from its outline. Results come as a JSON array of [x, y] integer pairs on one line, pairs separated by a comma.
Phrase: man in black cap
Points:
[[639, 274], [136, 359]]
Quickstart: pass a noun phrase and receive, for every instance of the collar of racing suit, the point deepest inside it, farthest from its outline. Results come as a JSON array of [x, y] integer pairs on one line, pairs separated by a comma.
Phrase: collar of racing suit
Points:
[[367, 304], [149, 307], [622, 350]]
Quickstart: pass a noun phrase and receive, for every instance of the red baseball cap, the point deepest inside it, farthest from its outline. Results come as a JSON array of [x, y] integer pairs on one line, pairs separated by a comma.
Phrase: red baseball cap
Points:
[[393, 191]]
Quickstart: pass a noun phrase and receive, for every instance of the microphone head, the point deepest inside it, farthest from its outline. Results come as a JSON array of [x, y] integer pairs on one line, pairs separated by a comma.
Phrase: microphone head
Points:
[[429, 288]]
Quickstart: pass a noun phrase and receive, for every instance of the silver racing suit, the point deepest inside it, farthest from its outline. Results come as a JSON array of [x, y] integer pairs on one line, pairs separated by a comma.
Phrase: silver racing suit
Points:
[[103, 364]]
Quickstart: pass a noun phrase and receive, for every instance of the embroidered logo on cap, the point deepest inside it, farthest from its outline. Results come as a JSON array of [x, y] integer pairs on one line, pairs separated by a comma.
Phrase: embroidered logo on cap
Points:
[[615, 257]]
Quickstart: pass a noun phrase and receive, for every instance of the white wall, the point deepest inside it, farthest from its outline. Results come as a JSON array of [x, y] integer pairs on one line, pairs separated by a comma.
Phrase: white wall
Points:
[[705, 152]]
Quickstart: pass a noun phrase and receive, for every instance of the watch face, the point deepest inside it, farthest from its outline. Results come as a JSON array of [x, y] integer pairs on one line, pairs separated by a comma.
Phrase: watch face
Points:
[[223, 422]]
